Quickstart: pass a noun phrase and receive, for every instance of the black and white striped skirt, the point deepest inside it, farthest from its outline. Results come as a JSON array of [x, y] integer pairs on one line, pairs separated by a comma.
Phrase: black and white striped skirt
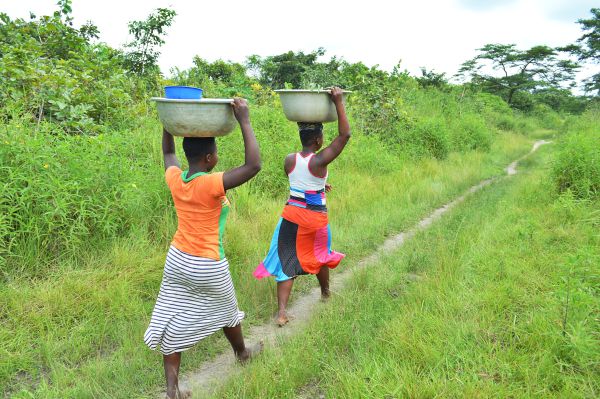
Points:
[[196, 299]]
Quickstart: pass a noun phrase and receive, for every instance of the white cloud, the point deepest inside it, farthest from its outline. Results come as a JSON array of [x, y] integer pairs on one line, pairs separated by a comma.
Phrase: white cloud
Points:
[[485, 4], [569, 11]]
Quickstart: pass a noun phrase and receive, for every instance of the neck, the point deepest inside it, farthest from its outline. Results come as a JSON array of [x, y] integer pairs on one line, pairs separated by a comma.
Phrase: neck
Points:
[[308, 149], [197, 168]]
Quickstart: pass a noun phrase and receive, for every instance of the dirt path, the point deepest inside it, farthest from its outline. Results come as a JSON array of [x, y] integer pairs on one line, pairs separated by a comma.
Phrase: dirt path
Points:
[[209, 377]]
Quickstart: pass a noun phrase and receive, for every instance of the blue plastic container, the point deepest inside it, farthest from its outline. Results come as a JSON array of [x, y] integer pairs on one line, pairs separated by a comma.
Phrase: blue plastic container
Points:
[[183, 92]]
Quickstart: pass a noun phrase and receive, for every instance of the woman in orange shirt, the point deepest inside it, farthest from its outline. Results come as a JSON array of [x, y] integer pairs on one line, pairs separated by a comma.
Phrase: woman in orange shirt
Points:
[[196, 295]]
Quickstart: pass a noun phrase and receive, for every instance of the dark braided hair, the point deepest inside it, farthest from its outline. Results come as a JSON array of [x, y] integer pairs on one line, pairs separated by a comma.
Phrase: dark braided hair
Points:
[[197, 147], [309, 132]]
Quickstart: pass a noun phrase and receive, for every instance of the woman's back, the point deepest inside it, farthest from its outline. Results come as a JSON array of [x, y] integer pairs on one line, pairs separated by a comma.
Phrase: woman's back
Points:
[[306, 189], [202, 209]]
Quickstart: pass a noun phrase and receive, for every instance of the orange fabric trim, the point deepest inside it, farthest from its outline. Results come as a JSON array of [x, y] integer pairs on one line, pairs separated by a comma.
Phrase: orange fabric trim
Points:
[[305, 217], [305, 249]]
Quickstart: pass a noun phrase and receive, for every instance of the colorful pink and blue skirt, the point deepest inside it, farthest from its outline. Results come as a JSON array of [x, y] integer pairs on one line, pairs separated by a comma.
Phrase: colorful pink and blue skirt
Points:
[[301, 243]]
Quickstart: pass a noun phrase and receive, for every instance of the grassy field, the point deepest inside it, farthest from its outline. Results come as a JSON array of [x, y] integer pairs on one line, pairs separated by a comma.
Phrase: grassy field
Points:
[[76, 330], [499, 299]]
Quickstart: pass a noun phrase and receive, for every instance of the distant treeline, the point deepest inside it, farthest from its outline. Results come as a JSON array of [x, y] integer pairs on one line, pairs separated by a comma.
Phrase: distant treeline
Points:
[[55, 72]]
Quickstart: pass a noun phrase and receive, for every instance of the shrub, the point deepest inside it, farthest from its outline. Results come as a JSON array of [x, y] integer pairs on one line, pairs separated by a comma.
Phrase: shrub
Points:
[[506, 123], [577, 165], [490, 103], [546, 116], [526, 125], [471, 133], [429, 137], [55, 73], [62, 190]]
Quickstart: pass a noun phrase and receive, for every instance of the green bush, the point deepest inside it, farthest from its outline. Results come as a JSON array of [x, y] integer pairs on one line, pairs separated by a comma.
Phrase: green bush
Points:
[[61, 190], [53, 73], [577, 164], [506, 123], [526, 125], [546, 116], [470, 133], [429, 137], [487, 103]]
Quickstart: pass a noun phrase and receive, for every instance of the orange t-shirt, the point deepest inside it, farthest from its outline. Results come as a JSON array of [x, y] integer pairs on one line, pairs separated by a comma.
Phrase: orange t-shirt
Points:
[[202, 209]]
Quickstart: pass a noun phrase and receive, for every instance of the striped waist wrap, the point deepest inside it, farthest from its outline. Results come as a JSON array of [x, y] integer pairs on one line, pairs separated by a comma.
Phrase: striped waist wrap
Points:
[[312, 200]]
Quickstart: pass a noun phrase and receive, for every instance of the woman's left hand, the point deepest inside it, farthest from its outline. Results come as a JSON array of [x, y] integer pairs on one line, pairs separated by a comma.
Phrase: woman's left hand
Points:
[[328, 187]]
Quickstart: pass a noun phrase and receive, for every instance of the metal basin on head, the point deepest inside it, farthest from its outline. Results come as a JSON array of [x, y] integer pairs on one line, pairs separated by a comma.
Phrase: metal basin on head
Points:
[[208, 117], [309, 105]]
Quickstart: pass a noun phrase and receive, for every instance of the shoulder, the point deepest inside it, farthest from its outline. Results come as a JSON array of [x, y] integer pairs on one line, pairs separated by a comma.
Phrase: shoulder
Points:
[[173, 169], [289, 163], [316, 167], [212, 177], [212, 183], [172, 173]]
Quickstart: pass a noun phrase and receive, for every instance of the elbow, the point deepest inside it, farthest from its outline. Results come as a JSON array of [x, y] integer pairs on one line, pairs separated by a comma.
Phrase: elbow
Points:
[[255, 168]]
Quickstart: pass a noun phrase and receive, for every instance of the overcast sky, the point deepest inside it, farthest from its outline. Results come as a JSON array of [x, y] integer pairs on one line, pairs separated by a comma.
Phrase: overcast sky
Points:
[[439, 35]]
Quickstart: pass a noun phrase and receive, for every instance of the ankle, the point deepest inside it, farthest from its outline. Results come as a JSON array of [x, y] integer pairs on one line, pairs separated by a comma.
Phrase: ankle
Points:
[[243, 355], [172, 392]]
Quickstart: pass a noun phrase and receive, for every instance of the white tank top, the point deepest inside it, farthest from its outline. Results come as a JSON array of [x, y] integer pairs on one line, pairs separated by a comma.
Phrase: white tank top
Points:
[[306, 189], [301, 178]]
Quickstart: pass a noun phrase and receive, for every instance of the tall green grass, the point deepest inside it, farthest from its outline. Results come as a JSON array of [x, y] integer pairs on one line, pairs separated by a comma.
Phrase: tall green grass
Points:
[[577, 166], [76, 331], [499, 299], [85, 222], [64, 195]]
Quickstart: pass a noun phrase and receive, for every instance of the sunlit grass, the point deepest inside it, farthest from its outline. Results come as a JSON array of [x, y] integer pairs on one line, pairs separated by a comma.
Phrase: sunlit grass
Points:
[[77, 333], [476, 306]]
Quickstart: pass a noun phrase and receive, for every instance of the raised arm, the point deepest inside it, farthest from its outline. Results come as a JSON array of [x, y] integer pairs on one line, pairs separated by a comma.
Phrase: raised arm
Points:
[[168, 148], [240, 175], [331, 152]]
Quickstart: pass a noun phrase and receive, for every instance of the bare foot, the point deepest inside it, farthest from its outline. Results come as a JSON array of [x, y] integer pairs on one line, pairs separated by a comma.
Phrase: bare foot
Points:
[[250, 352], [179, 394], [282, 319], [325, 295]]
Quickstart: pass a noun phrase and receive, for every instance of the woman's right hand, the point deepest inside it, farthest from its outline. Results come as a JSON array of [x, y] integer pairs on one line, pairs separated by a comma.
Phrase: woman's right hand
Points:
[[336, 95], [241, 110]]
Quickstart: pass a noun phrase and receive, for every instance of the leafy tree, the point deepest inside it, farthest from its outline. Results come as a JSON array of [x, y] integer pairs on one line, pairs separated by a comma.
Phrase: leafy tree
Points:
[[52, 35], [147, 37], [219, 70], [358, 76], [277, 70], [432, 79], [587, 48], [219, 78], [324, 74], [65, 8], [89, 31], [560, 100], [51, 72], [504, 70]]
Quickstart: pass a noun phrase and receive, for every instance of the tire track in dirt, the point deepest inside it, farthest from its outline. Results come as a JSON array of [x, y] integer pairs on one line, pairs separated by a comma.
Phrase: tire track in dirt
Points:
[[212, 374]]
